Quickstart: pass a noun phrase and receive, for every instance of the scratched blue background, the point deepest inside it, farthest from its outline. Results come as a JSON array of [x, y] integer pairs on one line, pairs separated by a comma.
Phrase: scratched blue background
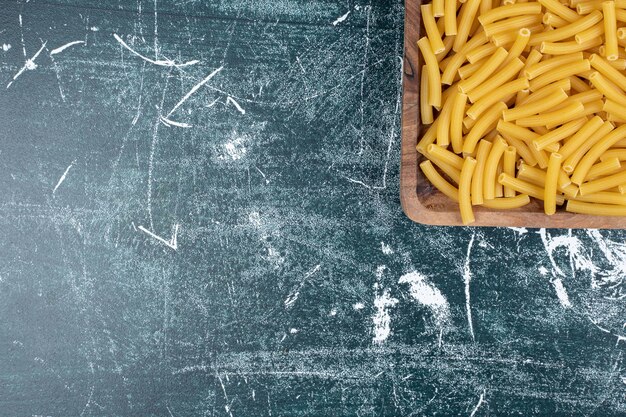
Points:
[[200, 216]]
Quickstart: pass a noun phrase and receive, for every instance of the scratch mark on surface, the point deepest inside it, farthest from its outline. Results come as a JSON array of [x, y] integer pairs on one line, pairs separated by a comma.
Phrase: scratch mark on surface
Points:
[[88, 401], [561, 293], [28, 65], [480, 402], [194, 89], [160, 62], [22, 34], [63, 177], [467, 277], [172, 243], [263, 175], [234, 103], [386, 249], [169, 123], [295, 293], [64, 47], [228, 405], [341, 18]]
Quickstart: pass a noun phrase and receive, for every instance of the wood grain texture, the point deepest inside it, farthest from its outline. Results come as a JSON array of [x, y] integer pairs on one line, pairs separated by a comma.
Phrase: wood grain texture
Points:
[[425, 204]]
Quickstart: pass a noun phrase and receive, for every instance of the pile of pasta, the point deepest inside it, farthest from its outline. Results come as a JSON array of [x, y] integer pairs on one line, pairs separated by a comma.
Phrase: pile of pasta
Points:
[[530, 101]]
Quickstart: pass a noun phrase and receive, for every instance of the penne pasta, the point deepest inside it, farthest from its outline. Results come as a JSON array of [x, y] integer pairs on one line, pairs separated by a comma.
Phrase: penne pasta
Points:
[[426, 110], [557, 117], [456, 122], [491, 167], [432, 68], [508, 165], [438, 181], [610, 30], [465, 203], [484, 147], [550, 187], [575, 154], [432, 32], [508, 203], [575, 206]]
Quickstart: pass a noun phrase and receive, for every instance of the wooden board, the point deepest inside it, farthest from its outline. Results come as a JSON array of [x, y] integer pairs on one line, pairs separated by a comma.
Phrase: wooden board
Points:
[[421, 201]]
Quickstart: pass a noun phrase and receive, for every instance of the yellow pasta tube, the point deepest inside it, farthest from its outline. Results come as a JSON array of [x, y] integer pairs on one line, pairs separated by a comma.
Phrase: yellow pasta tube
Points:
[[429, 137], [445, 155], [575, 127], [432, 68], [482, 124], [604, 197], [512, 23], [508, 37], [602, 184], [508, 167], [523, 36], [560, 10], [432, 32], [542, 67], [553, 20], [438, 8], [508, 203], [568, 31], [564, 115], [538, 177], [538, 106], [456, 122], [584, 97], [577, 151], [500, 94], [465, 86], [559, 73], [468, 70], [468, 13], [561, 48], [504, 12], [426, 110], [447, 169], [482, 152], [457, 60], [614, 108], [449, 16], [595, 209], [522, 149], [465, 203], [580, 137], [619, 64], [620, 154], [438, 181], [578, 84], [443, 127], [447, 43], [607, 167], [581, 170], [547, 90], [610, 30], [481, 52], [605, 87], [552, 176], [590, 34], [604, 68], [491, 166], [509, 71], [620, 14], [525, 187]]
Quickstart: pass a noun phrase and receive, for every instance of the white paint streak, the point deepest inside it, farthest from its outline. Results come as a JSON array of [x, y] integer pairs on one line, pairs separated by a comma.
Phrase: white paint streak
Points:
[[234, 103], [382, 319], [467, 277], [64, 47], [295, 293], [6, 47], [428, 295], [172, 243], [561, 293], [341, 19], [194, 89], [386, 249], [63, 177], [358, 306], [480, 402], [29, 65], [160, 62], [520, 230], [169, 122]]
